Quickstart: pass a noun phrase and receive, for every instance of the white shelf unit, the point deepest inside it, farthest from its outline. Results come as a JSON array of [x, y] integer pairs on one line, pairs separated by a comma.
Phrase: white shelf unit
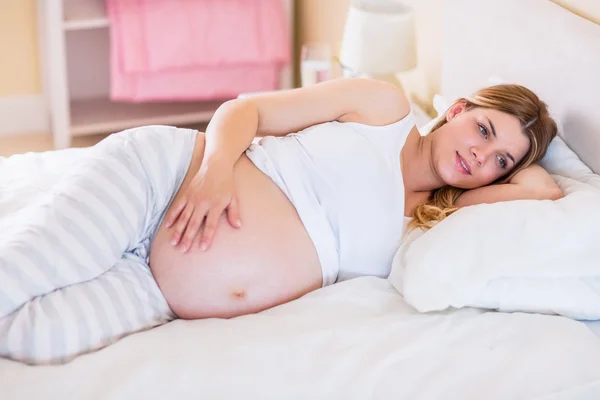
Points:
[[87, 14], [75, 53]]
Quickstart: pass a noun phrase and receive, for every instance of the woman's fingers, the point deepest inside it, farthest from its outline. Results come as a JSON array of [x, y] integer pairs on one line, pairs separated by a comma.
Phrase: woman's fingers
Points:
[[175, 212], [181, 224], [233, 213], [210, 227], [192, 229]]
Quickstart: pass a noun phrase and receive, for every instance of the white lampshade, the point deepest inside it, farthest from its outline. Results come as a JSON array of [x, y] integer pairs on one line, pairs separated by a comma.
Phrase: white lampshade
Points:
[[379, 38]]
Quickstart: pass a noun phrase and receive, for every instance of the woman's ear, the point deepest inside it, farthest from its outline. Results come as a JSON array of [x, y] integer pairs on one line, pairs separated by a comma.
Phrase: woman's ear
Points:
[[456, 109]]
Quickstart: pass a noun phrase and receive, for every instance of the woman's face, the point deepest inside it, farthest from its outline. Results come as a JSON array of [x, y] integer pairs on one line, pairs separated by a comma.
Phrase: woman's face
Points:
[[477, 146]]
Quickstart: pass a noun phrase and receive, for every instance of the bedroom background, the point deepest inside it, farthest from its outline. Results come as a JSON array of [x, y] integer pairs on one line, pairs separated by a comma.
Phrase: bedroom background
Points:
[[22, 108], [460, 322]]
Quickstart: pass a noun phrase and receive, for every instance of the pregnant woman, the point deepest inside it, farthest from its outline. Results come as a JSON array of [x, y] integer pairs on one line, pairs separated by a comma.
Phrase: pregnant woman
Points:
[[169, 222], [330, 202]]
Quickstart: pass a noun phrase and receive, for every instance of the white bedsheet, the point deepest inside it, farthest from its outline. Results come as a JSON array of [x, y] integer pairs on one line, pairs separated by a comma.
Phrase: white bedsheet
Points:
[[354, 340]]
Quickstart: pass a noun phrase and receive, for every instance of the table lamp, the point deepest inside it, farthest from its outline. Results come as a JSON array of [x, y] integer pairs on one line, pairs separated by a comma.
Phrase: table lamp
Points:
[[379, 40]]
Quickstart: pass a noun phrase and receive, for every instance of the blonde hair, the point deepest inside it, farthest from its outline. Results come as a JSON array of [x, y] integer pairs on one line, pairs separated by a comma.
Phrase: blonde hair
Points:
[[536, 123]]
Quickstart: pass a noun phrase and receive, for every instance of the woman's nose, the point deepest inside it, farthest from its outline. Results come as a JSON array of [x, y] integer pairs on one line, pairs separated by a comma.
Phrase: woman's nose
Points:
[[478, 155]]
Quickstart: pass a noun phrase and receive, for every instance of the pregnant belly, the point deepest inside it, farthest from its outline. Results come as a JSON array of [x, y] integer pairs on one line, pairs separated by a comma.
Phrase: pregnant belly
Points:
[[269, 261]]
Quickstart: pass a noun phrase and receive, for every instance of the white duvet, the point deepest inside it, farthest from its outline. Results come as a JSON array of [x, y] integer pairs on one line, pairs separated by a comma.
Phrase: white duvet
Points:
[[354, 340]]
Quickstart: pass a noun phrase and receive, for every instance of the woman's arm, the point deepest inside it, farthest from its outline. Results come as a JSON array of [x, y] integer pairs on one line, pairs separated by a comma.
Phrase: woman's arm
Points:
[[532, 183], [237, 122]]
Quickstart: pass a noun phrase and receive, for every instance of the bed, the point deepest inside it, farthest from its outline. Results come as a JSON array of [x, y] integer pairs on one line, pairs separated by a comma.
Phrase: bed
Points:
[[360, 339]]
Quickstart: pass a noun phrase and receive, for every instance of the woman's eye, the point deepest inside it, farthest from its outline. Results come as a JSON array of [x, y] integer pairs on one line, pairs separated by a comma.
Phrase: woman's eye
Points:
[[483, 131], [502, 162]]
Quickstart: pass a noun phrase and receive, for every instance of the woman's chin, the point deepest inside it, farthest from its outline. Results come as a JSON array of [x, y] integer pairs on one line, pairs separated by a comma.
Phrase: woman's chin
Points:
[[453, 179], [460, 184], [450, 176]]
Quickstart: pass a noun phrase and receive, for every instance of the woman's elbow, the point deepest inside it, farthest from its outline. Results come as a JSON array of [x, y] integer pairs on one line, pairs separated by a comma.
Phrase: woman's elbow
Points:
[[555, 193], [550, 193]]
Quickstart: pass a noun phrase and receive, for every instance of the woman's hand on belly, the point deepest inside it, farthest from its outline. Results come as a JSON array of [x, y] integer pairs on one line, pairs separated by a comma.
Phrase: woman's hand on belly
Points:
[[209, 194], [269, 261]]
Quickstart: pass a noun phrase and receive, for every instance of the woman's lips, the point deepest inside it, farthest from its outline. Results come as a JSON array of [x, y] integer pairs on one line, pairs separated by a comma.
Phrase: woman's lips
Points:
[[462, 165]]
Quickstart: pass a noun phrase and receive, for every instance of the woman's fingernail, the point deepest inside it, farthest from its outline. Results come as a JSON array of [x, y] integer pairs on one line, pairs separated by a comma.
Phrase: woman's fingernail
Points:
[[174, 242], [238, 223], [203, 246]]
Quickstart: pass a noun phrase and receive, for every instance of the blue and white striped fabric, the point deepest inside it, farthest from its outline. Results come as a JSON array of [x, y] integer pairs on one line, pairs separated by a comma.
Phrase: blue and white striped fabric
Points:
[[74, 273]]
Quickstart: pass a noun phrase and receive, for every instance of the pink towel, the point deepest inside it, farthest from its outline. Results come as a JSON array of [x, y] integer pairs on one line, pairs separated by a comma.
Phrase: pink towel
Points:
[[195, 49]]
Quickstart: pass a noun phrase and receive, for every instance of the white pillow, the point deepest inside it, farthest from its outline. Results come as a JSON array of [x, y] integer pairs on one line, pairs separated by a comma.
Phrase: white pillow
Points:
[[561, 160], [531, 256], [440, 105]]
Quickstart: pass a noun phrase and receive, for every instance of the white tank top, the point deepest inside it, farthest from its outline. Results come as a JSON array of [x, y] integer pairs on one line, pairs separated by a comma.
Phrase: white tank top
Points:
[[345, 181]]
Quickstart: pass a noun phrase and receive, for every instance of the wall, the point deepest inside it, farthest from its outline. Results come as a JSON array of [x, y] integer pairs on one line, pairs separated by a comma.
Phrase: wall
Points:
[[19, 61], [318, 20], [323, 20]]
